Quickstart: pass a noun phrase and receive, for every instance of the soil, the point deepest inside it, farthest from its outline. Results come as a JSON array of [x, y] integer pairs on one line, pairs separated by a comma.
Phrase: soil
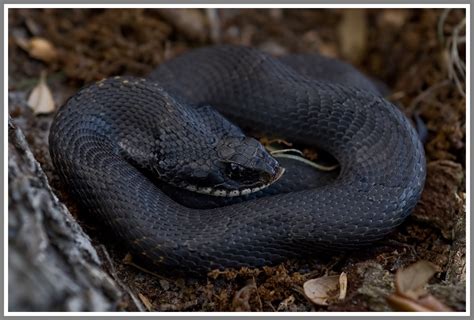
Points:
[[417, 53]]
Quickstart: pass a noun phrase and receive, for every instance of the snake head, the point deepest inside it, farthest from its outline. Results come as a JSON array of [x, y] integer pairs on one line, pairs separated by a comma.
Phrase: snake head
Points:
[[245, 166], [237, 166]]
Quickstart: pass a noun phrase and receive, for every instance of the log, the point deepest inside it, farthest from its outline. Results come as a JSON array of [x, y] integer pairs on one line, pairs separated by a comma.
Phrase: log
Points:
[[52, 265]]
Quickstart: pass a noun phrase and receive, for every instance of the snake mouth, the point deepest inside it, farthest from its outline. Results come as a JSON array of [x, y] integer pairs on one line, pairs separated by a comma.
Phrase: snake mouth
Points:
[[278, 175], [218, 192]]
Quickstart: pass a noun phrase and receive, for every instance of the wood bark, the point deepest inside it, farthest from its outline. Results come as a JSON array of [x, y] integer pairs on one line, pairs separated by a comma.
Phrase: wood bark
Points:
[[52, 265]]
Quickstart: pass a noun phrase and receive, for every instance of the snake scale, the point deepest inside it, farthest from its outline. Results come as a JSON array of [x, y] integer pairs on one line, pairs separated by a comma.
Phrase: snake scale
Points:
[[115, 141]]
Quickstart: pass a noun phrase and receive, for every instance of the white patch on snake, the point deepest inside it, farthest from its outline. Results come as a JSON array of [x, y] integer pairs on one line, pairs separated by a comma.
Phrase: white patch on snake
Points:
[[220, 193], [224, 192], [191, 188], [234, 193], [245, 192], [204, 190]]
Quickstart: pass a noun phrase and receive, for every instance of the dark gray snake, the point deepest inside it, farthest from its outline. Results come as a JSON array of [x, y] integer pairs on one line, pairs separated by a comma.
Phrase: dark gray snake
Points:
[[120, 142]]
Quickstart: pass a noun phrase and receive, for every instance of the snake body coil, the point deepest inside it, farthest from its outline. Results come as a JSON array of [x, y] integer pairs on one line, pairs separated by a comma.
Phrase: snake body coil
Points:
[[110, 135]]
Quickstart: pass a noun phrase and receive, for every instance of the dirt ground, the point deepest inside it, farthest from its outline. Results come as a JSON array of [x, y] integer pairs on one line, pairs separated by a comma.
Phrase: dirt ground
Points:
[[418, 54]]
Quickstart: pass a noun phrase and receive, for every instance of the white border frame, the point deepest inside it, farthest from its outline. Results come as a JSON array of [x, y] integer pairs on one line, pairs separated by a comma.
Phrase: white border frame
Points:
[[230, 6]]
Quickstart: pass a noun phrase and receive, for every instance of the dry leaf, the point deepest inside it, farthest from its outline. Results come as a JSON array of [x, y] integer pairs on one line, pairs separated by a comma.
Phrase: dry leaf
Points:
[[145, 301], [342, 286], [395, 17], [424, 304], [41, 99], [128, 259], [42, 49], [283, 306], [410, 293], [400, 303], [410, 282], [325, 289], [241, 298], [191, 22], [353, 34]]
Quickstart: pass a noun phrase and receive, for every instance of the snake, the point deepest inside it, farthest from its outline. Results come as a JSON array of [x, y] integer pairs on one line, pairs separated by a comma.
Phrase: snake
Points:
[[130, 149]]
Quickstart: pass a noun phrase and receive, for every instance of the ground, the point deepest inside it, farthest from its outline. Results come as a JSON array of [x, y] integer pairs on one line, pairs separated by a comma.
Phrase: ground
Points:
[[418, 54]]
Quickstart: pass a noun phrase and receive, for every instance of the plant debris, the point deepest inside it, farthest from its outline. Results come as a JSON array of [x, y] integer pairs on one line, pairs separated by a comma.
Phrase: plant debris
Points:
[[410, 293], [353, 35], [41, 99], [323, 290], [38, 48], [146, 302], [241, 298]]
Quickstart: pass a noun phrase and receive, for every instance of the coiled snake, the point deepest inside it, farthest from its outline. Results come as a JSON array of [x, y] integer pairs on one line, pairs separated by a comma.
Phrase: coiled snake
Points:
[[120, 142]]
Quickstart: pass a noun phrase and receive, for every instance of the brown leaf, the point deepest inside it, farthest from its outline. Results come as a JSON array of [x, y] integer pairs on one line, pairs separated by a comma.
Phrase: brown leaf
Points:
[[400, 303], [395, 17], [128, 259], [410, 282], [241, 298], [353, 34], [191, 22], [410, 293], [427, 303], [325, 289], [42, 49], [41, 99]]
